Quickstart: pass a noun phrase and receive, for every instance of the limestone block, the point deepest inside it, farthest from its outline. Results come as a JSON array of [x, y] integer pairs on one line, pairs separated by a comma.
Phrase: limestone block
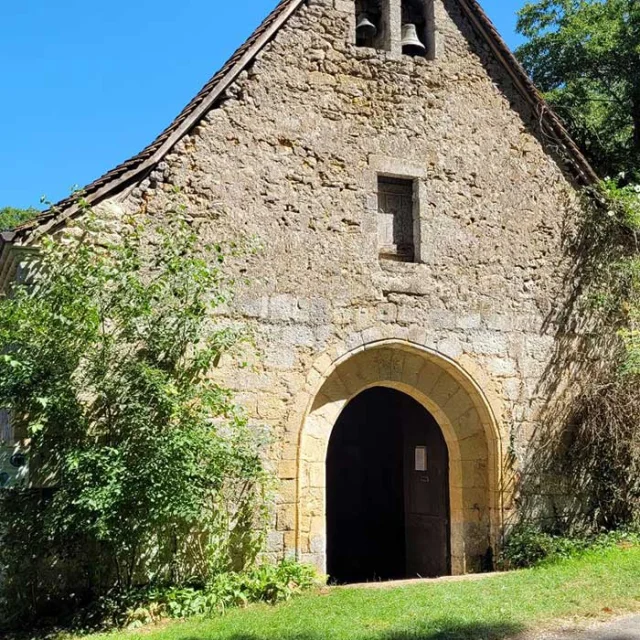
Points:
[[317, 544], [469, 321], [417, 335], [512, 388], [287, 492], [475, 474], [396, 365], [275, 542], [287, 469], [290, 544], [468, 424], [429, 377], [474, 503], [440, 319], [473, 448], [289, 451], [317, 474], [317, 527], [298, 336], [372, 335], [323, 363], [488, 343], [286, 517], [387, 313], [351, 343], [251, 307], [270, 407], [413, 365], [344, 6], [444, 390], [460, 404], [502, 367]]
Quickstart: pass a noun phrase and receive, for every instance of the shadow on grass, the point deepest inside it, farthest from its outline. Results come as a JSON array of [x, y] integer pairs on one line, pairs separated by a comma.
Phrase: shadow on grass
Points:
[[442, 630]]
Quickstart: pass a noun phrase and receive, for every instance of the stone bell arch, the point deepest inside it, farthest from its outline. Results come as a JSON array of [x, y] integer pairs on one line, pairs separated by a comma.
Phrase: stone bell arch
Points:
[[468, 423]]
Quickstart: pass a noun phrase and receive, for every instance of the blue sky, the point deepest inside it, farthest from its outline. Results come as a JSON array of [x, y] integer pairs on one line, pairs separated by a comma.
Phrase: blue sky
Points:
[[87, 84]]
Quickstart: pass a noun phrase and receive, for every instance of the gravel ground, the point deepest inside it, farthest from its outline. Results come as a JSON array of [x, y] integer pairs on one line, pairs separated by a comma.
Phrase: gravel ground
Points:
[[627, 628]]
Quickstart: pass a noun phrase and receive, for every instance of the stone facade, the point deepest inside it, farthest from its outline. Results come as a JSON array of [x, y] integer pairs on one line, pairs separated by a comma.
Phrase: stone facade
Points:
[[291, 157]]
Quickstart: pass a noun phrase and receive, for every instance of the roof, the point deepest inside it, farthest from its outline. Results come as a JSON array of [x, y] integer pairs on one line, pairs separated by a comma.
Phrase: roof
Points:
[[127, 172]]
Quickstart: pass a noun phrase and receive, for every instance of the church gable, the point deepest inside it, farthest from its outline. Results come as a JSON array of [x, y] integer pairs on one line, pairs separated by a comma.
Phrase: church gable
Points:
[[412, 197], [348, 150], [379, 25]]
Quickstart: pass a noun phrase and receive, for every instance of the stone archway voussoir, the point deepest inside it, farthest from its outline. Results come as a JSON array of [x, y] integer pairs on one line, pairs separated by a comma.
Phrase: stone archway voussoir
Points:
[[443, 388]]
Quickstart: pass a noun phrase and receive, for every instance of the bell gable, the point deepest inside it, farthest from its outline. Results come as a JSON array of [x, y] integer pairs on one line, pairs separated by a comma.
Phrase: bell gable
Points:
[[384, 31]]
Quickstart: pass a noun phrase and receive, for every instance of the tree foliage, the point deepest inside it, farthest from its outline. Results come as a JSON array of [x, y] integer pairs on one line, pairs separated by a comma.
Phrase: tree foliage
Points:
[[585, 56], [151, 472], [10, 217]]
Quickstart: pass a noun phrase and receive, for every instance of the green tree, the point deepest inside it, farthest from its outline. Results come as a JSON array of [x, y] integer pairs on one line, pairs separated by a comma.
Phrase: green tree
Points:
[[10, 217], [585, 56], [153, 474]]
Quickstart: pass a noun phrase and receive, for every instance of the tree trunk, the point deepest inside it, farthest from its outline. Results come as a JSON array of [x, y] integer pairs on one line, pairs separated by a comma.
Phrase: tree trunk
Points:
[[635, 116], [636, 126]]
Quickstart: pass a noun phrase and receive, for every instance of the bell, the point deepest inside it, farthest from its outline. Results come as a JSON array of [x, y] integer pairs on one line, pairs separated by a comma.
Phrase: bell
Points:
[[410, 42], [365, 29]]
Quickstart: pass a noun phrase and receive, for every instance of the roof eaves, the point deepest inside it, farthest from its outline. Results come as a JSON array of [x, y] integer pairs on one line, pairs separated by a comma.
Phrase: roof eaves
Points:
[[523, 82], [126, 172]]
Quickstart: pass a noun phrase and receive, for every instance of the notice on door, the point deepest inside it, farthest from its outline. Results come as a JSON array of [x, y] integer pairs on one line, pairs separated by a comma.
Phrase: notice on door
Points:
[[421, 459]]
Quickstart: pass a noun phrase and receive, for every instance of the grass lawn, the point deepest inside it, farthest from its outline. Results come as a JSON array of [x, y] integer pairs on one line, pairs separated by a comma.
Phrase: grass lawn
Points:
[[595, 584]]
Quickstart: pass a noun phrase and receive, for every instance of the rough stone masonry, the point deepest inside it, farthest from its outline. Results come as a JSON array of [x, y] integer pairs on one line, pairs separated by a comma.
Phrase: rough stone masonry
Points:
[[290, 157]]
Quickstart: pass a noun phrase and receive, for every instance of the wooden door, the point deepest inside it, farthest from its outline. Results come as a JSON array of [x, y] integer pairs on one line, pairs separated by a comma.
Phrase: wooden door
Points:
[[365, 486], [387, 491], [426, 496]]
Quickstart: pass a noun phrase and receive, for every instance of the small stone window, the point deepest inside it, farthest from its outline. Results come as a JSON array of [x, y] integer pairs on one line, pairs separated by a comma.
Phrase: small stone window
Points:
[[396, 220], [371, 23], [418, 28]]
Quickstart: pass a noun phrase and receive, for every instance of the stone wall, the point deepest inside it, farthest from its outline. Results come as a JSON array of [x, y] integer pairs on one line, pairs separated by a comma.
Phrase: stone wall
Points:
[[290, 159]]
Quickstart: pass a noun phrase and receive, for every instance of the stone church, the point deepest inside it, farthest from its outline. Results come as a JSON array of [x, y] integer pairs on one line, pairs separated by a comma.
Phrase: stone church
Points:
[[412, 195]]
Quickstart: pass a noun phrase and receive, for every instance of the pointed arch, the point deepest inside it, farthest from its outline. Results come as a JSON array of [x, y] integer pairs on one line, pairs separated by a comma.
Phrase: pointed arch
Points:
[[465, 415]]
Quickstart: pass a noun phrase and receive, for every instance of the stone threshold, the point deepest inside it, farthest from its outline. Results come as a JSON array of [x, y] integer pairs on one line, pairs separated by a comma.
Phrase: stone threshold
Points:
[[392, 584]]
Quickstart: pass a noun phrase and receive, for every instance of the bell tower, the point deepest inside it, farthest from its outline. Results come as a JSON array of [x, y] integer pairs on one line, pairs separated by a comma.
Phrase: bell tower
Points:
[[402, 27]]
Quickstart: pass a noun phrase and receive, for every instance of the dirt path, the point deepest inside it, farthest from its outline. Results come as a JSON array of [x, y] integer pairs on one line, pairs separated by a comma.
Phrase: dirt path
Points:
[[627, 628]]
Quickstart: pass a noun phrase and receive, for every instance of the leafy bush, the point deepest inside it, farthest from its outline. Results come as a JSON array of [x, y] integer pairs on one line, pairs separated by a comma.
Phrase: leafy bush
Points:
[[152, 473], [265, 583], [623, 200], [527, 545]]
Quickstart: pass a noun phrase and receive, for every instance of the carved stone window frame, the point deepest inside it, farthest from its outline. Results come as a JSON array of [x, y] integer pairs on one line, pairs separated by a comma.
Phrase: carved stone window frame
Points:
[[396, 218], [382, 166]]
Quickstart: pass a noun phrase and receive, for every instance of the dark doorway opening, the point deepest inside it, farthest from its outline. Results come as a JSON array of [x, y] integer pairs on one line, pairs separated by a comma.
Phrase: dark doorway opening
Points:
[[387, 491]]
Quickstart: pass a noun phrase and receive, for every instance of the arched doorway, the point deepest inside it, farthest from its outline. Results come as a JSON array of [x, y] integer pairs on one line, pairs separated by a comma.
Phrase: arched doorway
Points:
[[465, 416], [387, 491]]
